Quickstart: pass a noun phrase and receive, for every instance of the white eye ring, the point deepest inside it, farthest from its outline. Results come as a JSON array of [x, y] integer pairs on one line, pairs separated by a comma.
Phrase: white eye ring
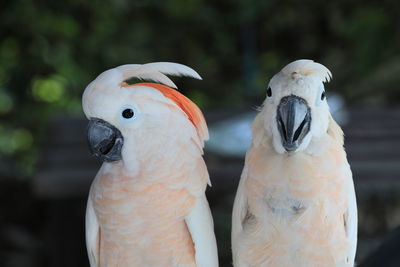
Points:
[[128, 113]]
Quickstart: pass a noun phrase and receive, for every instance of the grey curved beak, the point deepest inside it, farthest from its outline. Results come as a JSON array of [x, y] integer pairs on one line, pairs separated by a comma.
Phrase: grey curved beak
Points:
[[294, 121], [105, 140]]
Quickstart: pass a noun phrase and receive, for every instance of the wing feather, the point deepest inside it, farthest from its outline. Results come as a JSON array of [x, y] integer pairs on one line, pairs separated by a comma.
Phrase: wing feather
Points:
[[92, 235], [350, 216], [201, 228], [239, 213]]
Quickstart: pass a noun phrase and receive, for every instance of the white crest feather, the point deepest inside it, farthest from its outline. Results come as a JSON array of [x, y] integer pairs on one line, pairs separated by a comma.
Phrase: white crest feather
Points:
[[134, 70], [157, 72], [307, 67], [171, 68], [128, 70]]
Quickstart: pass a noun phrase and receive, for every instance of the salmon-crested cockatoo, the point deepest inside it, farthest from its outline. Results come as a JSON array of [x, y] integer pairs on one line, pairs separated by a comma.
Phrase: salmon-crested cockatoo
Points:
[[147, 204], [295, 205]]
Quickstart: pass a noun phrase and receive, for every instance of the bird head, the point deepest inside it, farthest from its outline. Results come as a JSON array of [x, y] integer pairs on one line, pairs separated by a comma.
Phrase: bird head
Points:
[[295, 109], [140, 121]]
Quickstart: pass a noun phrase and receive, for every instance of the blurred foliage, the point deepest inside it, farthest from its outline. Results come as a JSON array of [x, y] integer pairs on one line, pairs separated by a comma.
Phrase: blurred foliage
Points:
[[50, 50]]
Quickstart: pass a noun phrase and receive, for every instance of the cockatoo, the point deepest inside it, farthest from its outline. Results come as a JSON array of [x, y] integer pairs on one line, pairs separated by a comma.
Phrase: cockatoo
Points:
[[147, 204], [295, 204]]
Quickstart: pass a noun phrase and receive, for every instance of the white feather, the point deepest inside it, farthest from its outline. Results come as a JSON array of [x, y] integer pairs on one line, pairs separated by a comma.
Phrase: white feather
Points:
[[128, 70], [170, 68], [351, 216], [157, 72], [307, 67], [201, 228], [238, 215], [92, 235], [133, 70], [157, 77]]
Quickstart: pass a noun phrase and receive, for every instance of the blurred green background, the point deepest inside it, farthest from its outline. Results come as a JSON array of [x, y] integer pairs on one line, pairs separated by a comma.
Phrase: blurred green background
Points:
[[50, 51]]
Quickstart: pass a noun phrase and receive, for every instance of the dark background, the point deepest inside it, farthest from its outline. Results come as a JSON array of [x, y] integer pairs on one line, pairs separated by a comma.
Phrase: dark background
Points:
[[50, 50]]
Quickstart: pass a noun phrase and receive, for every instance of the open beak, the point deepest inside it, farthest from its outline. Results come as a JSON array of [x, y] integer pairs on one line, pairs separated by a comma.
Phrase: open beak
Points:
[[105, 140], [294, 120]]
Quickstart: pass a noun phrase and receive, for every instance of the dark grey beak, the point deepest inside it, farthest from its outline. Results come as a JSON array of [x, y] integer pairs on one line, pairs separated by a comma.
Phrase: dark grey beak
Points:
[[105, 141], [294, 120]]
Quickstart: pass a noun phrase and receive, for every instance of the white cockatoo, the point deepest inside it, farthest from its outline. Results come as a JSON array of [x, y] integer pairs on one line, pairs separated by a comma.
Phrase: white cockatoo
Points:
[[147, 204], [296, 204]]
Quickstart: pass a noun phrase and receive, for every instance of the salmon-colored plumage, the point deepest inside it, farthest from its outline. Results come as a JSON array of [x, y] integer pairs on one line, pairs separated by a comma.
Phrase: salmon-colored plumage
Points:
[[295, 206], [292, 217], [147, 205], [142, 224], [192, 111]]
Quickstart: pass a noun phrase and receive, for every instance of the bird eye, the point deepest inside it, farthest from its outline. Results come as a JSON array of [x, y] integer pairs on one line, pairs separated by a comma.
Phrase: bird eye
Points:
[[323, 95], [128, 113], [269, 92]]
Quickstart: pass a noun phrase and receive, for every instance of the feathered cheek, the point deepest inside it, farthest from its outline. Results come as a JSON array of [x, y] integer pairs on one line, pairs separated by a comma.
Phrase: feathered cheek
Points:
[[319, 124], [270, 127], [272, 133]]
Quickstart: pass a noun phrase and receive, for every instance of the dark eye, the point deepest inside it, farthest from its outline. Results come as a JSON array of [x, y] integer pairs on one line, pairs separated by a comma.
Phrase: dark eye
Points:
[[269, 92], [127, 113], [323, 95]]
